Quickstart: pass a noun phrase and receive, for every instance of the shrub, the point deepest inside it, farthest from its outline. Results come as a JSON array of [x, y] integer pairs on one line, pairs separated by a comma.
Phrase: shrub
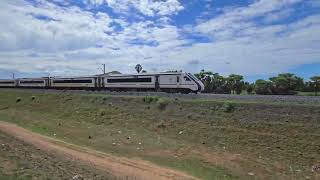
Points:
[[102, 113], [150, 99], [33, 98], [162, 103], [228, 107], [161, 125], [18, 99]]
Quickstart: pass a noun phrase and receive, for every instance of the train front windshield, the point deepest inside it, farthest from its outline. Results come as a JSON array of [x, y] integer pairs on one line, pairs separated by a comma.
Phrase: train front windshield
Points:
[[193, 77]]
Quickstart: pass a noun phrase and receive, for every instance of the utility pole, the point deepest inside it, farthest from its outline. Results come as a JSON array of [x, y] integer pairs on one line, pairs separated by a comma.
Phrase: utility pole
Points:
[[103, 69], [12, 75]]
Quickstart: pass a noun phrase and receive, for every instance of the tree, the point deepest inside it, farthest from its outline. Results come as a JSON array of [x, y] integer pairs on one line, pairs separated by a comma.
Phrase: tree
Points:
[[263, 87], [220, 84], [235, 83], [286, 84], [213, 82], [249, 87], [206, 78], [316, 84]]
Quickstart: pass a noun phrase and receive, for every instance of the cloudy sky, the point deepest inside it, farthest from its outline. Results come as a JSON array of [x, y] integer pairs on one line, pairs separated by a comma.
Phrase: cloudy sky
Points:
[[256, 38]]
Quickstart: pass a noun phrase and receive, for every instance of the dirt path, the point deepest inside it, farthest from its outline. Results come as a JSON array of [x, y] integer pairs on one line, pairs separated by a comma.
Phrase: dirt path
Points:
[[118, 166]]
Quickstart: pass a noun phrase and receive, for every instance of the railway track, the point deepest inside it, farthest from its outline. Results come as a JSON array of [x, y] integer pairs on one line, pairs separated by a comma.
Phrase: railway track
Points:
[[301, 100]]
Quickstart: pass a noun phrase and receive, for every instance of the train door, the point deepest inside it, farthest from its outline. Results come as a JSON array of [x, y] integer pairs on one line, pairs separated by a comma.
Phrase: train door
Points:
[[178, 80], [157, 84], [102, 82], [96, 82], [46, 83], [99, 82], [16, 83]]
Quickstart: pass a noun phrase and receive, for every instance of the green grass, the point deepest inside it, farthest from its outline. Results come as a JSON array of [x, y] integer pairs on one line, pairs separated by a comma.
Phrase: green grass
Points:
[[263, 134], [14, 177], [308, 94], [195, 167]]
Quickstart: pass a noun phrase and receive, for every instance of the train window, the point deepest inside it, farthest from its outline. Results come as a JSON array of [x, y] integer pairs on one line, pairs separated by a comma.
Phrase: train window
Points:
[[66, 81], [7, 82], [178, 79], [129, 80], [31, 82], [186, 78]]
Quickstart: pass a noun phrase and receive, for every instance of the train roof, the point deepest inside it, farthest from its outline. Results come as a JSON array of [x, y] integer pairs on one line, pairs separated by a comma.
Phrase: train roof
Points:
[[99, 75], [145, 74], [6, 79], [66, 77]]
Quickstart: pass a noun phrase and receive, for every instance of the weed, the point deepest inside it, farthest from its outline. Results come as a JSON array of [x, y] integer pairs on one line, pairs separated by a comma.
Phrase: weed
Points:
[[102, 113], [33, 98], [150, 99], [162, 103], [18, 99], [161, 125], [228, 107]]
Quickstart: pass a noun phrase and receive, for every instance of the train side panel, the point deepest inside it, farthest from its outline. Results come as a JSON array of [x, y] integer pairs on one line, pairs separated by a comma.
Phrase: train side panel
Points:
[[127, 82], [32, 83], [6, 83], [79, 82]]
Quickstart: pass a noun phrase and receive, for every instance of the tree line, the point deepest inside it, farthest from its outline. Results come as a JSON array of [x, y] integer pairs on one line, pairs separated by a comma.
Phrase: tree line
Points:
[[283, 84]]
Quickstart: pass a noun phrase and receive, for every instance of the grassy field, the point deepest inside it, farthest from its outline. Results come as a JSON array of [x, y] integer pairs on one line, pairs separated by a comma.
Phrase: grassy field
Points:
[[207, 139], [21, 161], [308, 94]]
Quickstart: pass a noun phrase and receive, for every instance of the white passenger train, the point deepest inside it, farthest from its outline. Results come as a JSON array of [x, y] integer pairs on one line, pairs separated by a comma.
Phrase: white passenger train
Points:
[[167, 82]]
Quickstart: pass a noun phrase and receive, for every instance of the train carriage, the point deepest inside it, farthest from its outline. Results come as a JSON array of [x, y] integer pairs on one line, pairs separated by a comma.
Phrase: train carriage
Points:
[[128, 82], [6, 83], [89, 82], [33, 82]]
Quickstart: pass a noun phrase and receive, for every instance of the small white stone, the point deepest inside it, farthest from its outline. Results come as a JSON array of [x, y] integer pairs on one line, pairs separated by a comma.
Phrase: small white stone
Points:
[[180, 132], [139, 143], [251, 174]]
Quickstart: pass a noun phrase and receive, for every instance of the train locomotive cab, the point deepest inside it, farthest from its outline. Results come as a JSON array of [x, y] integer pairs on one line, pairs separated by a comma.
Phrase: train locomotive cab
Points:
[[193, 82]]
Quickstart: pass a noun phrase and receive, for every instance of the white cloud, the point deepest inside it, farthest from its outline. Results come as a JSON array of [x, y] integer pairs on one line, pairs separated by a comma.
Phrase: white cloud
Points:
[[146, 7], [73, 41], [241, 15], [67, 36]]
